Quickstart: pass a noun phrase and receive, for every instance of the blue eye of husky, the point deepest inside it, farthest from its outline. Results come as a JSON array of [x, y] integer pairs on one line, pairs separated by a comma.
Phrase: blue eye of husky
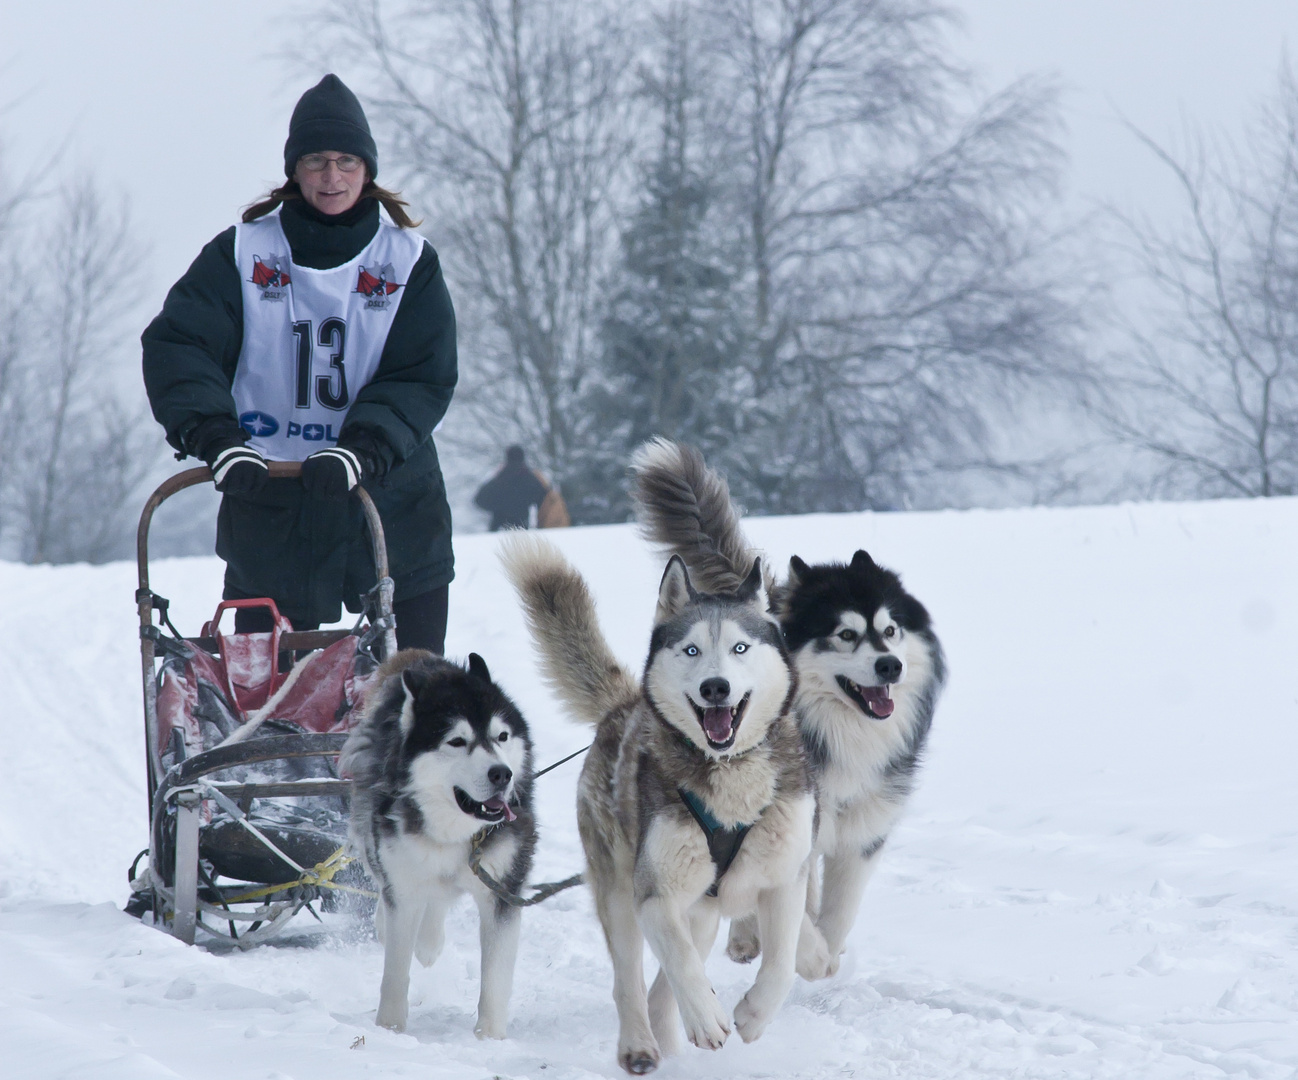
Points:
[[742, 647], [457, 742], [691, 650]]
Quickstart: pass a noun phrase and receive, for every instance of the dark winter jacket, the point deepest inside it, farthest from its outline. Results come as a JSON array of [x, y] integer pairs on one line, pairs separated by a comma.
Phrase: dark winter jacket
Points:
[[312, 554], [509, 495]]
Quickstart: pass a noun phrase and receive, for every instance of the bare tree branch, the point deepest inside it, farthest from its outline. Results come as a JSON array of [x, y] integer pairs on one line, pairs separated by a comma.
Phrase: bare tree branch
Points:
[[1212, 394]]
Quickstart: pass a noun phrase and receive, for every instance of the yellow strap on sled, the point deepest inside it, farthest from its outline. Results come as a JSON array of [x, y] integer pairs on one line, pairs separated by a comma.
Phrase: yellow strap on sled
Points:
[[320, 875]]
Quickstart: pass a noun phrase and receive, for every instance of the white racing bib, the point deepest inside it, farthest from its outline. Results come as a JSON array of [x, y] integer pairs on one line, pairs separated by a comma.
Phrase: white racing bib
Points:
[[311, 338]]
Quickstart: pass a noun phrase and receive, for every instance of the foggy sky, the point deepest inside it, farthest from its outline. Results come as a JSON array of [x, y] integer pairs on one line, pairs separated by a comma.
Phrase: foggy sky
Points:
[[184, 107]]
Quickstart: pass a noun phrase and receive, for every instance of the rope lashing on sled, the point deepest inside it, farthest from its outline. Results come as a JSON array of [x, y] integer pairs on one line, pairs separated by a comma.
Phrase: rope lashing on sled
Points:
[[542, 892], [321, 874]]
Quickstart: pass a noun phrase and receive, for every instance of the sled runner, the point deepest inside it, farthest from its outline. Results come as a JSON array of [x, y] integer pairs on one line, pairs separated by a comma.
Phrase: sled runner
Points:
[[247, 812]]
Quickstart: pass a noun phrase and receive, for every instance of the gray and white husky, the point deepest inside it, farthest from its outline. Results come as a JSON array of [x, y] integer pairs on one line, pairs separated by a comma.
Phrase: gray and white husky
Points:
[[694, 801], [869, 667], [441, 759]]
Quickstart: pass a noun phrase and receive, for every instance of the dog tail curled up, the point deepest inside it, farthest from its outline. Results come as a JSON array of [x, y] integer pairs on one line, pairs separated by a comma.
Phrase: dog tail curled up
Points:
[[684, 506], [575, 659]]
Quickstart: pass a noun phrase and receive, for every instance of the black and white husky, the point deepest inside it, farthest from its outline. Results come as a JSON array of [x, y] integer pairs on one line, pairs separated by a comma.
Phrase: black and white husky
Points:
[[870, 670], [694, 801], [441, 760]]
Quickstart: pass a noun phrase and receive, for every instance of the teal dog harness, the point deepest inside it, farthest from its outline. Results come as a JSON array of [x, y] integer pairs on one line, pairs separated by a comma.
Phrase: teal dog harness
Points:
[[723, 843]]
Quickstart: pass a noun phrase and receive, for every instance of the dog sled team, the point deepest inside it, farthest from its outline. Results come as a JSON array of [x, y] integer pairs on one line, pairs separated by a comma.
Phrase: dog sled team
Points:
[[753, 770]]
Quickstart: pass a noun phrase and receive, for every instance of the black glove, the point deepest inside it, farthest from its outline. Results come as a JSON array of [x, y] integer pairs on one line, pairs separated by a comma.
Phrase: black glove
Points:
[[239, 470], [332, 473], [236, 469]]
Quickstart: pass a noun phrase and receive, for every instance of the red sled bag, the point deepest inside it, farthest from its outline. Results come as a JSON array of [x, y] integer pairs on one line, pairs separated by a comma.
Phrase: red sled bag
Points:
[[245, 688]]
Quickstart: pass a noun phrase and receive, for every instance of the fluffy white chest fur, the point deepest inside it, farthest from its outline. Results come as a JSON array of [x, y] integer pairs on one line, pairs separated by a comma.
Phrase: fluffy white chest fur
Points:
[[858, 800], [417, 864]]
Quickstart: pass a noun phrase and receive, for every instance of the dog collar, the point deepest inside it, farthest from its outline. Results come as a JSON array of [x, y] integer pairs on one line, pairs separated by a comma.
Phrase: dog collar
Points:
[[723, 843]]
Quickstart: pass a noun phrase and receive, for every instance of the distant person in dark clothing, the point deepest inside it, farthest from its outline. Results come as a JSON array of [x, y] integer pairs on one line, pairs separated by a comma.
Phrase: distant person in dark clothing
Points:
[[510, 495]]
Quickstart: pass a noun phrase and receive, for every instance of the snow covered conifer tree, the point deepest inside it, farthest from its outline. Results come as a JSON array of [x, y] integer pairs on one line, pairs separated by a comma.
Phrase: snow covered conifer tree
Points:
[[671, 337]]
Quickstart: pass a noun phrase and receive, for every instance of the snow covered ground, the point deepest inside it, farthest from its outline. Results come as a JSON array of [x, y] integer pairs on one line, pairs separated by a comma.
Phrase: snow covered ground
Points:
[[1099, 876]]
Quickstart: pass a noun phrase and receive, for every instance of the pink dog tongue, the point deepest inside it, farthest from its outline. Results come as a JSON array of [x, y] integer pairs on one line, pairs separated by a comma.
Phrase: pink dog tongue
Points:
[[878, 700], [716, 724], [498, 803]]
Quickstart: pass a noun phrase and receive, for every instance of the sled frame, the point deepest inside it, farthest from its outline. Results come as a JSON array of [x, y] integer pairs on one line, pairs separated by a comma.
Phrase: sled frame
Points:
[[183, 785]]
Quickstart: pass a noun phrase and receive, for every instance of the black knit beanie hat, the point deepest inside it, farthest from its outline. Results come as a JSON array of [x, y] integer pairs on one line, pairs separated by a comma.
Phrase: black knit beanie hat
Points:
[[329, 117]]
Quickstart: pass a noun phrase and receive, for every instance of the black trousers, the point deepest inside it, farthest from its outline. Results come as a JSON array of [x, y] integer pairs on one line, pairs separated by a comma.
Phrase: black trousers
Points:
[[421, 621]]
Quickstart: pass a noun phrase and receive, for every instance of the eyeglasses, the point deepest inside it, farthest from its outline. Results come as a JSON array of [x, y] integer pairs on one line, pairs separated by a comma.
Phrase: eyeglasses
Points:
[[318, 162]]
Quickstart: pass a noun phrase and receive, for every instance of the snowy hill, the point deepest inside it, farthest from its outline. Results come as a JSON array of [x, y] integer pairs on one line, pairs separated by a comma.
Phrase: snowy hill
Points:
[[1098, 878]]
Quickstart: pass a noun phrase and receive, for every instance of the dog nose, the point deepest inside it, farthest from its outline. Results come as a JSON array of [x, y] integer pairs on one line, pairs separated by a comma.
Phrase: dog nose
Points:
[[500, 775], [888, 668], [714, 690]]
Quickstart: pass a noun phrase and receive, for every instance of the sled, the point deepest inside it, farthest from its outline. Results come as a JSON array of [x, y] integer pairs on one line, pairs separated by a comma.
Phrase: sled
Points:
[[247, 812]]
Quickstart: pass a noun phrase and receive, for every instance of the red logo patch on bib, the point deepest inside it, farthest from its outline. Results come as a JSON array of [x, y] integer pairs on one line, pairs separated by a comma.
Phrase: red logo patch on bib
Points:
[[271, 276], [376, 285]]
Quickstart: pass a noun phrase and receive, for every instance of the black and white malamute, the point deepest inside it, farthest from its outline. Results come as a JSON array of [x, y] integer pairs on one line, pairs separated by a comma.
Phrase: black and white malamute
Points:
[[694, 801], [441, 760], [869, 667]]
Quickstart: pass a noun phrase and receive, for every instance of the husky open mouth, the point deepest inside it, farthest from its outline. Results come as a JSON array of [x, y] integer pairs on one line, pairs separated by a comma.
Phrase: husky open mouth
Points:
[[720, 722], [875, 701], [493, 810]]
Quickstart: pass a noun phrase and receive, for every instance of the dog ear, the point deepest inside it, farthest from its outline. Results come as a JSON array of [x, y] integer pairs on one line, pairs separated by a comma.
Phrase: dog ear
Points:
[[797, 571], [862, 563], [411, 683], [753, 590], [478, 667], [675, 591]]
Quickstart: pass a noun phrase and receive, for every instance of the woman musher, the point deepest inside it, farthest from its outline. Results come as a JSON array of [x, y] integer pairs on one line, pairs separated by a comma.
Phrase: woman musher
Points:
[[317, 331]]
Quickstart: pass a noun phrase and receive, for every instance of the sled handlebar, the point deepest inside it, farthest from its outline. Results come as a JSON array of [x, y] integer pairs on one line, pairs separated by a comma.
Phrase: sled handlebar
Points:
[[144, 597], [279, 470]]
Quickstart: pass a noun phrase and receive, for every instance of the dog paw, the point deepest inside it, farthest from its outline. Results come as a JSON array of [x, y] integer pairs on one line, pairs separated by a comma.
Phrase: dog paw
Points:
[[638, 1058], [489, 1029], [743, 952], [392, 1015], [706, 1024], [814, 961], [750, 1021], [743, 945]]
